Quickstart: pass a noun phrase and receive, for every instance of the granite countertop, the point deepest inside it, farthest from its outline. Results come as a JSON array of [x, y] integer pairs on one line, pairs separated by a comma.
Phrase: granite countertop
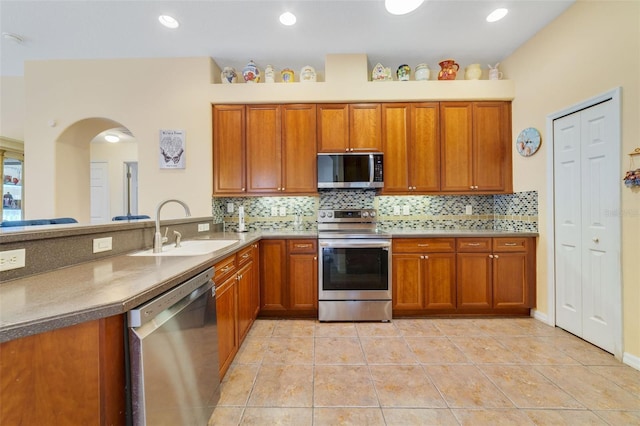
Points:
[[114, 285]]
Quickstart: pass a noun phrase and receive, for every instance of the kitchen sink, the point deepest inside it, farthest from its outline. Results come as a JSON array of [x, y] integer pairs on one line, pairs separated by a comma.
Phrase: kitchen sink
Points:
[[189, 248]]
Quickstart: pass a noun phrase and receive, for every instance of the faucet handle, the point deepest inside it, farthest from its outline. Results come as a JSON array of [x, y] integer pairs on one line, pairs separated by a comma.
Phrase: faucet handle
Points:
[[165, 238], [178, 238]]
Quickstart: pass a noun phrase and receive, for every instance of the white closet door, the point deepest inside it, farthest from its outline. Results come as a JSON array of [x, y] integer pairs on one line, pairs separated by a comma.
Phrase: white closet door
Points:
[[99, 177], [587, 224]]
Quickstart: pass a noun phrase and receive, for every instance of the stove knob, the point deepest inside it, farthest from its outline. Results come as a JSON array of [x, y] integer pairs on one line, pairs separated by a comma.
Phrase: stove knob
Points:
[[372, 214], [322, 214], [365, 214], [329, 214]]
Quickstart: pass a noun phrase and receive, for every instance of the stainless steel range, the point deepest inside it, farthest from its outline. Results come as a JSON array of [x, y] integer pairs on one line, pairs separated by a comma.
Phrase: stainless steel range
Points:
[[355, 267]]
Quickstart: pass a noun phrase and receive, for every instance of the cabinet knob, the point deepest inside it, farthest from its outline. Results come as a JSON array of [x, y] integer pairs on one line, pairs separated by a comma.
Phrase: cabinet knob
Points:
[[596, 240], [421, 257], [315, 257], [490, 256], [495, 256], [243, 189]]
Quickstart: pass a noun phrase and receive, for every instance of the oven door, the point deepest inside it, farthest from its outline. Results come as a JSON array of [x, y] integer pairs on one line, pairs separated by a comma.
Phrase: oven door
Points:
[[354, 269]]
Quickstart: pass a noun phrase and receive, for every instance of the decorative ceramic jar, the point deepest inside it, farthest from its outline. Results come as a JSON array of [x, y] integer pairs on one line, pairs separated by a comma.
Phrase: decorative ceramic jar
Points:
[[307, 74], [494, 72], [422, 72], [473, 72], [287, 75], [449, 70], [269, 74], [251, 73], [403, 72], [229, 75]]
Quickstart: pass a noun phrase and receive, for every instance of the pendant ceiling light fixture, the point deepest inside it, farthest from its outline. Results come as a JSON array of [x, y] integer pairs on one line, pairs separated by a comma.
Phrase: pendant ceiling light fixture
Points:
[[497, 15], [402, 7]]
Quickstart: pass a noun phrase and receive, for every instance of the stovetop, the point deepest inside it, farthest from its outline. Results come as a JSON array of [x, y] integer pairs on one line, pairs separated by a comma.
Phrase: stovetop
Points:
[[353, 223]]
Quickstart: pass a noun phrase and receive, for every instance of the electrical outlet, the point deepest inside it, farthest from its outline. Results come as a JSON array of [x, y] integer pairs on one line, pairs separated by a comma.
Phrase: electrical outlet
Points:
[[283, 211], [274, 211], [396, 210], [468, 209], [229, 207], [102, 244], [12, 259], [202, 227], [406, 210]]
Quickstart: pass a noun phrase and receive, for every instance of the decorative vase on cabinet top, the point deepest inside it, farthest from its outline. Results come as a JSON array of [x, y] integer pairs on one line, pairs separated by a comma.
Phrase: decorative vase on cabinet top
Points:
[[269, 74], [229, 75], [473, 72], [422, 72], [403, 72], [449, 70], [307, 74], [287, 75], [494, 72], [251, 73]]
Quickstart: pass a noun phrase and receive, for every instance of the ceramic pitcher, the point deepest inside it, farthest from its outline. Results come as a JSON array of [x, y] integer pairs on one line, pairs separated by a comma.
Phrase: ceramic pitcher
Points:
[[449, 70]]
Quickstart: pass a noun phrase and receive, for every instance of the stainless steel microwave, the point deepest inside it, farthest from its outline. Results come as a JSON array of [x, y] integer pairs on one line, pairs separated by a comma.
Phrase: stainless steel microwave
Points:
[[350, 170]]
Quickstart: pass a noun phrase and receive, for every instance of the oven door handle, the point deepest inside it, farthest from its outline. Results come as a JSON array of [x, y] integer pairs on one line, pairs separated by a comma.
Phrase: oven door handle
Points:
[[346, 243]]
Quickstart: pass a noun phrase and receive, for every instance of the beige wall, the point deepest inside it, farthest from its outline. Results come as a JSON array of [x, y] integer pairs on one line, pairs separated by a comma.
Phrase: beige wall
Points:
[[590, 49], [12, 110]]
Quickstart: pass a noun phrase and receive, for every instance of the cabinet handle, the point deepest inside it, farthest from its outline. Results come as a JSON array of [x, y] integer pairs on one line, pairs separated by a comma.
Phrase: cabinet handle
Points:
[[244, 256], [473, 244], [596, 240], [226, 268], [511, 244], [302, 245], [423, 245]]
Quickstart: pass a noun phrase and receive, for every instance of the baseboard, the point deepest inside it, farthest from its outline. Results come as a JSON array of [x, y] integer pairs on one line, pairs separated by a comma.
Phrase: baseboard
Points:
[[631, 360], [541, 316]]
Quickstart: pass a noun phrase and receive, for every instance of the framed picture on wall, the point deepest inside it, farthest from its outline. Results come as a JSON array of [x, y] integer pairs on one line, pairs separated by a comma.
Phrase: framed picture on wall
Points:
[[172, 149]]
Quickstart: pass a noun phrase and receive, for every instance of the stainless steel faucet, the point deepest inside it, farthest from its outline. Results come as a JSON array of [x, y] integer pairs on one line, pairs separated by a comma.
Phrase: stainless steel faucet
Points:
[[157, 239]]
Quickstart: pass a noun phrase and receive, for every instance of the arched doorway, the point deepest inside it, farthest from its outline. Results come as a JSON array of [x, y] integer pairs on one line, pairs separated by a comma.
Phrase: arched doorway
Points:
[[80, 146]]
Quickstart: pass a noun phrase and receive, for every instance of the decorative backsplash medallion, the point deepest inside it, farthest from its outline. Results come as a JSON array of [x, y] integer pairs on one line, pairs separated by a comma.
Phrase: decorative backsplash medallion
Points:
[[511, 212]]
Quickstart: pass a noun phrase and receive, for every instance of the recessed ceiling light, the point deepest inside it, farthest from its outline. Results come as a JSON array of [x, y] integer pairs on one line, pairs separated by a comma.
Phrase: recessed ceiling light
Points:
[[402, 7], [497, 15], [112, 138], [288, 19], [168, 21]]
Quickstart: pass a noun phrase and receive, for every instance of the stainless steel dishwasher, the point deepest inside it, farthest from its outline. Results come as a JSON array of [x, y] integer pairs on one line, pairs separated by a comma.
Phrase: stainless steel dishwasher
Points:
[[173, 354]]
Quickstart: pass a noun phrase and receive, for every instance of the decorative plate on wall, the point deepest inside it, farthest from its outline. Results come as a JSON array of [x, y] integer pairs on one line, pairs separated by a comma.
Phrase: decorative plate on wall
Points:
[[528, 142]]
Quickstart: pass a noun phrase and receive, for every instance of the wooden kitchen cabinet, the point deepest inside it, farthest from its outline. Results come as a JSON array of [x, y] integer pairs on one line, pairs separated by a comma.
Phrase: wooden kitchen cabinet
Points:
[[229, 175], [248, 293], [424, 275], [264, 149], [411, 145], [475, 147], [303, 275], [72, 375], [227, 311], [289, 277], [349, 127]]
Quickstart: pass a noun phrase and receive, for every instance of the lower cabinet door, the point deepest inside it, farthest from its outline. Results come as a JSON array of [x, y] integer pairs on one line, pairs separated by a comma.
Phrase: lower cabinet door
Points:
[[245, 299], [408, 282], [474, 280], [440, 281], [303, 282], [226, 305], [510, 283]]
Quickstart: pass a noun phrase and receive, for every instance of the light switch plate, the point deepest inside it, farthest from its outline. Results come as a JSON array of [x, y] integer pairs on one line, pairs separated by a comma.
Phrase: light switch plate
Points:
[[274, 211], [202, 227], [229, 207], [12, 259], [396, 210], [102, 244], [283, 211], [406, 210], [468, 209]]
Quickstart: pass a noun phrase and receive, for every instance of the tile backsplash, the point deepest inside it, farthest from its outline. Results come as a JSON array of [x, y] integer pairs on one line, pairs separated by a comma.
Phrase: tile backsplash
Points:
[[510, 212]]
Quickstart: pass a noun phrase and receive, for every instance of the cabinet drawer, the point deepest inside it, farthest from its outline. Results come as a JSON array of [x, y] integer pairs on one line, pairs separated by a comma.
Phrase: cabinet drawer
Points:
[[473, 244], [245, 255], [510, 244], [224, 268], [302, 246], [423, 245]]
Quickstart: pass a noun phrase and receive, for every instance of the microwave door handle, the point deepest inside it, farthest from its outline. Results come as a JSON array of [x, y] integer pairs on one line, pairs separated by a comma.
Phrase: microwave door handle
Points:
[[371, 168]]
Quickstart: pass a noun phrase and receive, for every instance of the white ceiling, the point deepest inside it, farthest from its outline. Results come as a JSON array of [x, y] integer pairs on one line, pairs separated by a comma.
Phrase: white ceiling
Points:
[[234, 31]]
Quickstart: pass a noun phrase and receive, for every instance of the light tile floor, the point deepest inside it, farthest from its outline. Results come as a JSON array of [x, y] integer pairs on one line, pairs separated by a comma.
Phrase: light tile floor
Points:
[[515, 371]]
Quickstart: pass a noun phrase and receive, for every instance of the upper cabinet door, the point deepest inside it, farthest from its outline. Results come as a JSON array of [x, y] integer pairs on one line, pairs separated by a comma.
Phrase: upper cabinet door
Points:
[[333, 127], [395, 145], [492, 146], [456, 127], [365, 130], [299, 149], [264, 155], [424, 151], [228, 149]]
